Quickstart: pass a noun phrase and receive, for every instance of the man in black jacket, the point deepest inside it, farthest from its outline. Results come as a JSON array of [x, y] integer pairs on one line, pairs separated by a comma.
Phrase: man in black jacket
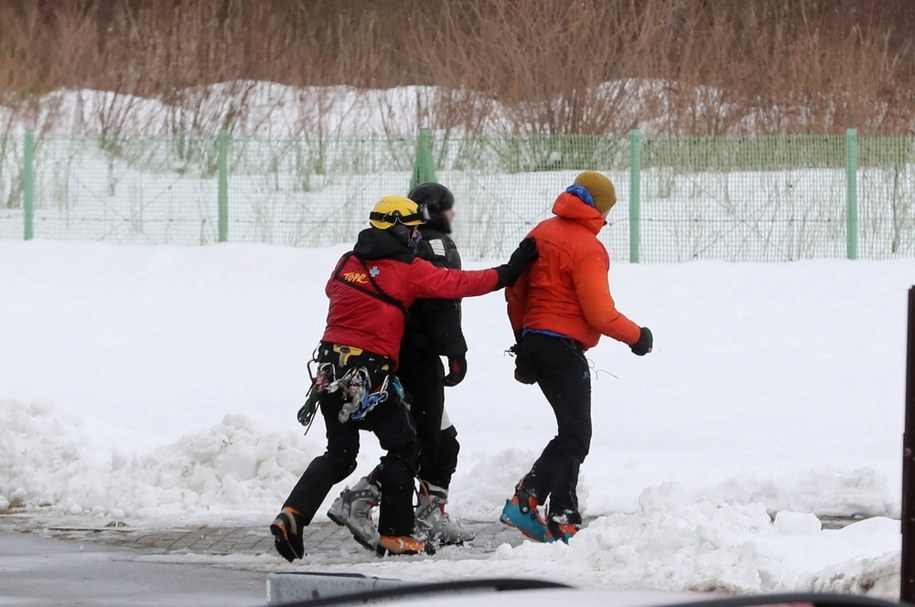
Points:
[[433, 329]]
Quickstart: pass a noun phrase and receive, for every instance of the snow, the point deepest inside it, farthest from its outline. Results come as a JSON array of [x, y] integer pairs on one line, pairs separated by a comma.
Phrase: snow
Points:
[[253, 107], [159, 385], [247, 107]]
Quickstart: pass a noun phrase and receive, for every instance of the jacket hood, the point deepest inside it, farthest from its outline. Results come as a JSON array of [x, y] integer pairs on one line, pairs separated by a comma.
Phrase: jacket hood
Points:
[[569, 206], [380, 244]]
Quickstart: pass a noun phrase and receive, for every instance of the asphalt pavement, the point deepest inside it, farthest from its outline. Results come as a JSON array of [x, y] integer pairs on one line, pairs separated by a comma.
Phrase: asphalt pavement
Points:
[[74, 562], [37, 570]]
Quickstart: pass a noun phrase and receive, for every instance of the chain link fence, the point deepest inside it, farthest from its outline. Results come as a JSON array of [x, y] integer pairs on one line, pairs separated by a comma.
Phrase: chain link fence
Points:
[[766, 198]]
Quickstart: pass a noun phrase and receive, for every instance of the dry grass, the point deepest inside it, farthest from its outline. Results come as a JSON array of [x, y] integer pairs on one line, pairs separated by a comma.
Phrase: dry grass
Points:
[[718, 66]]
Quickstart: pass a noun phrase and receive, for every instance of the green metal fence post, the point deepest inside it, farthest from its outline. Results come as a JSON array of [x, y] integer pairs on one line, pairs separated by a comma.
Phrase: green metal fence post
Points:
[[423, 167], [851, 179], [223, 201], [635, 170], [28, 186]]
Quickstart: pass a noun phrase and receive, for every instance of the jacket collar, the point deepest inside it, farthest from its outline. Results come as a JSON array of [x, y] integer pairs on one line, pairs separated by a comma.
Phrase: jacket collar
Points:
[[569, 206], [381, 244]]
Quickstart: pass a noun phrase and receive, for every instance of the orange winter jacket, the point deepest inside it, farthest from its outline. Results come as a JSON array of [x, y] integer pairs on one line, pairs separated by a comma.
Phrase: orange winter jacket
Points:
[[567, 289]]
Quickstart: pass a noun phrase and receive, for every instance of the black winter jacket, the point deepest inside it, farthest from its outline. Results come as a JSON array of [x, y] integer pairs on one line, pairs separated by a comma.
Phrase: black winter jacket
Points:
[[434, 325]]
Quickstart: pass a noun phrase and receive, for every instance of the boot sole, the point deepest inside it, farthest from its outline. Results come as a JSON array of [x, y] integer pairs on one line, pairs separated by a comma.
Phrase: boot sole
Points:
[[282, 544], [452, 543], [382, 551], [441, 542], [332, 516]]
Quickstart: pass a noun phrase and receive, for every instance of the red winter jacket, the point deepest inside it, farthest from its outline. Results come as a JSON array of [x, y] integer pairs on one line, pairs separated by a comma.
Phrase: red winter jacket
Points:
[[367, 286]]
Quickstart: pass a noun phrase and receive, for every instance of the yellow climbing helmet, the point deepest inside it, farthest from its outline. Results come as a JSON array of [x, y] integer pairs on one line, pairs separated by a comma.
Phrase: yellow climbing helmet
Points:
[[391, 210]]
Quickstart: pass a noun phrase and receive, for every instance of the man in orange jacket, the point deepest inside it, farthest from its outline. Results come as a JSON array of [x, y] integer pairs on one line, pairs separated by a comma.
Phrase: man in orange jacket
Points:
[[558, 309]]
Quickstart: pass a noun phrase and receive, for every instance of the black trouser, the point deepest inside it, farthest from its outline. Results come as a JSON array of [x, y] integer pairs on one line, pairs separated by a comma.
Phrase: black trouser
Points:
[[392, 424], [422, 375], [561, 370]]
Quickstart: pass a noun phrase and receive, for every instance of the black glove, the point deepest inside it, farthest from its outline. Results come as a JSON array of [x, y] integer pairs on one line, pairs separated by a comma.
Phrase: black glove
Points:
[[524, 255], [643, 346], [457, 369], [523, 372]]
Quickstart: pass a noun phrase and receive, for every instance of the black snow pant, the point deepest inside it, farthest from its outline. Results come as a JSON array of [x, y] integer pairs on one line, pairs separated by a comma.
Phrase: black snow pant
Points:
[[561, 371], [392, 424], [423, 377]]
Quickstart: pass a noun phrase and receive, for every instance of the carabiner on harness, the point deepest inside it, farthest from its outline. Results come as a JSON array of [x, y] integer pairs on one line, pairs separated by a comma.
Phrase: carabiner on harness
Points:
[[359, 398], [320, 382]]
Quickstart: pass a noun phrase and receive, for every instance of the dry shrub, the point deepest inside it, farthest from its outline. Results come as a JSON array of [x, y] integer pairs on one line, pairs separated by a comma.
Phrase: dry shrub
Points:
[[520, 66]]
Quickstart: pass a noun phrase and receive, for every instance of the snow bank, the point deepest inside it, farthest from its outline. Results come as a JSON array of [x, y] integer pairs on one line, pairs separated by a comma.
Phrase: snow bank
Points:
[[675, 544], [51, 464], [674, 541]]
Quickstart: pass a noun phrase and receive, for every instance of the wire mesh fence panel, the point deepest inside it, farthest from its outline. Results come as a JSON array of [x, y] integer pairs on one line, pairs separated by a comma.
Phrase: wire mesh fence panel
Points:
[[765, 198], [143, 190], [743, 198], [886, 197], [312, 192], [504, 186], [11, 203]]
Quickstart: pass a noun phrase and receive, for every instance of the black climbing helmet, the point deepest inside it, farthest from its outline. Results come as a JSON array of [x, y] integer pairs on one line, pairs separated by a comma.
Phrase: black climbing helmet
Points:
[[434, 196]]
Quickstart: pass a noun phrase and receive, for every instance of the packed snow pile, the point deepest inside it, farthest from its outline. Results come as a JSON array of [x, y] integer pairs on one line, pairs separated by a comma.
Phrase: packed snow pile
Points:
[[676, 541], [51, 463]]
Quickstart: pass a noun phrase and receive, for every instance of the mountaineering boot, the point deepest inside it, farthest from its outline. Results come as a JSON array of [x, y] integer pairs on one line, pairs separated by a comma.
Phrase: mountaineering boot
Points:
[[432, 522], [521, 512], [561, 530], [287, 534], [353, 509], [404, 544]]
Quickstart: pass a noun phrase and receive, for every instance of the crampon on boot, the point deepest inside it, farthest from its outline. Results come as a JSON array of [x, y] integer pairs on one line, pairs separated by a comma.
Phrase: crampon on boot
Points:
[[521, 513], [353, 510], [287, 534], [432, 522], [404, 544]]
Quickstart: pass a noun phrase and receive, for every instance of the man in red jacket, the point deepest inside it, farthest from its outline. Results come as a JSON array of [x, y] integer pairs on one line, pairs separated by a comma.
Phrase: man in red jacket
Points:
[[433, 329], [369, 291], [559, 309]]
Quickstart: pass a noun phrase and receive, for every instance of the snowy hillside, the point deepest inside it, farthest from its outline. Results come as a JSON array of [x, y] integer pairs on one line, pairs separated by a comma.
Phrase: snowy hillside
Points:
[[251, 107]]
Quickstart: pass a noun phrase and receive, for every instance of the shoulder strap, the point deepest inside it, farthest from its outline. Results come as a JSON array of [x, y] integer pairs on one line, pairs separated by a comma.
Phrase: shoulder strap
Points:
[[378, 293]]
